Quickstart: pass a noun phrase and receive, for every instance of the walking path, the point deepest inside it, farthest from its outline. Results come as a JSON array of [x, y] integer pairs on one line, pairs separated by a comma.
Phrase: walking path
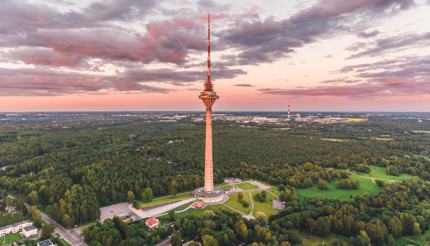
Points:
[[159, 210], [250, 215]]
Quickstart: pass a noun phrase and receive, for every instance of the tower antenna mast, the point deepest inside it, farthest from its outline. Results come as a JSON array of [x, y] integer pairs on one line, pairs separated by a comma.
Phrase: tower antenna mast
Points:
[[208, 84]]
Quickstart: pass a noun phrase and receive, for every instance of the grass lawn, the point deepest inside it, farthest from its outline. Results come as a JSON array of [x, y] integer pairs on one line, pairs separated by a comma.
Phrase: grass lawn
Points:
[[380, 173], [200, 212], [166, 199], [246, 186], [367, 185], [10, 238], [265, 207], [233, 202], [7, 218], [224, 186]]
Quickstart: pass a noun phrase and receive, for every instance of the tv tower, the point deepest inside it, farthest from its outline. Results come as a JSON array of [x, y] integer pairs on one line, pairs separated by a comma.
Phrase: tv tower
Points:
[[208, 96]]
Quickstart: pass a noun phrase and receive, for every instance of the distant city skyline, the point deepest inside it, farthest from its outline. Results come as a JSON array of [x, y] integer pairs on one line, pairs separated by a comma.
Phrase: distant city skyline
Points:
[[126, 55]]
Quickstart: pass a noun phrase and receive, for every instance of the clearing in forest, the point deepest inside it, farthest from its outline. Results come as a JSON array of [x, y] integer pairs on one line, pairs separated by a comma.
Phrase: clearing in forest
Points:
[[233, 202], [367, 185], [265, 207]]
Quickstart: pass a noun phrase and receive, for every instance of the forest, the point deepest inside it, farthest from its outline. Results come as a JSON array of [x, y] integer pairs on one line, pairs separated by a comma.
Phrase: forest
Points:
[[72, 167]]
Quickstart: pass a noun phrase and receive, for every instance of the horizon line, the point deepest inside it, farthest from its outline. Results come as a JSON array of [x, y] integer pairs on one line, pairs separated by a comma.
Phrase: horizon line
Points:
[[195, 111]]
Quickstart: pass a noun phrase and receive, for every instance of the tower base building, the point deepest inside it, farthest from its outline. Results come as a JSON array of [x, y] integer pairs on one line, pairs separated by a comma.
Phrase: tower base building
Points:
[[214, 196]]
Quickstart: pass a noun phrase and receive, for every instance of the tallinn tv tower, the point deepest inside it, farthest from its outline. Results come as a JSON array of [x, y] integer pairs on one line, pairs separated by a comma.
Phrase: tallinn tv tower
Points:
[[208, 193]]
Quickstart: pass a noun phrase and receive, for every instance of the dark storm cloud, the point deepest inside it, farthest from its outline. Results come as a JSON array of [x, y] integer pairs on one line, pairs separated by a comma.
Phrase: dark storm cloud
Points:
[[403, 76], [392, 43], [268, 40]]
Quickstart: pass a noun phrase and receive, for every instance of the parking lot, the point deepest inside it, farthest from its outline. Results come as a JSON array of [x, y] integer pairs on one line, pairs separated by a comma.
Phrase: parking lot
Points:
[[119, 210]]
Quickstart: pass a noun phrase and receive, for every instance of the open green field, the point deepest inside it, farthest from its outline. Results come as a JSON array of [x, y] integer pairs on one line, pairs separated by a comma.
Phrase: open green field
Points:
[[233, 202], [10, 238], [7, 218], [367, 185], [265, 207], [166, 199], [224, 186], [246, 186], [200, 212], [380, 173]]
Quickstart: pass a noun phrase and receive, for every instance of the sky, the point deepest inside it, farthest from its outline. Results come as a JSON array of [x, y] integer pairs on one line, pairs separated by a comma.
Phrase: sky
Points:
[[323, 55]]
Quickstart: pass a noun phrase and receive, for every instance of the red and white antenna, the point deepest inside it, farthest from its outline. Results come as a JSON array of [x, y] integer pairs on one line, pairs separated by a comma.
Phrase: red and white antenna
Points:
[[208, 84], [289, 113]]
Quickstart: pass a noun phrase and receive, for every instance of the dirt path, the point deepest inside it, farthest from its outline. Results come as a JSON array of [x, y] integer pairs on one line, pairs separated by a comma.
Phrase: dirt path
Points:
[[252, 205]]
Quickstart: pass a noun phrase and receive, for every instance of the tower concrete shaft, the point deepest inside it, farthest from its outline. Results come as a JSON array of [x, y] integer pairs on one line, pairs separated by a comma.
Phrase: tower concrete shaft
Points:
[[208, 96]]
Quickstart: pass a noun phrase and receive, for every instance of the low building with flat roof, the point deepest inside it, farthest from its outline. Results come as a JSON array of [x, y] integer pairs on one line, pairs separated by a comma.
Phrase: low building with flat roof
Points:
[[152, 223], [14, 228], [29, 231], [45, 243]]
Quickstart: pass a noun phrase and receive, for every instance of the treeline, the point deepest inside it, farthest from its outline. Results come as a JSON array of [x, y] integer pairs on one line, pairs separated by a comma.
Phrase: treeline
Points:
[[348, 184], [399, 210], [88, 167], [364, 221]]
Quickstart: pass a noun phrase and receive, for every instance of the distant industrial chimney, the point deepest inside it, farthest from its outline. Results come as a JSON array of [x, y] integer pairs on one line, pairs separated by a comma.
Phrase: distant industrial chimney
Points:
[[289, 112]]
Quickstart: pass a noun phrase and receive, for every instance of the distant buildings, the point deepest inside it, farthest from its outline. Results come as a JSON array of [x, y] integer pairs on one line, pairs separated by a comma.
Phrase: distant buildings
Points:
[[18, 227], [152, 223]]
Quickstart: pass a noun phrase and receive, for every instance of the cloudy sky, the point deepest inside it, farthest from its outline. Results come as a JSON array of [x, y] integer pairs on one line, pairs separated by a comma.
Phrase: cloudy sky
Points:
[[325, 55]]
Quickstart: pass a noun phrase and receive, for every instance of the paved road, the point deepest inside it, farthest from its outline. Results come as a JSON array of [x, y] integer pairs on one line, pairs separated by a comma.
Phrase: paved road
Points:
[[72, 236]]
